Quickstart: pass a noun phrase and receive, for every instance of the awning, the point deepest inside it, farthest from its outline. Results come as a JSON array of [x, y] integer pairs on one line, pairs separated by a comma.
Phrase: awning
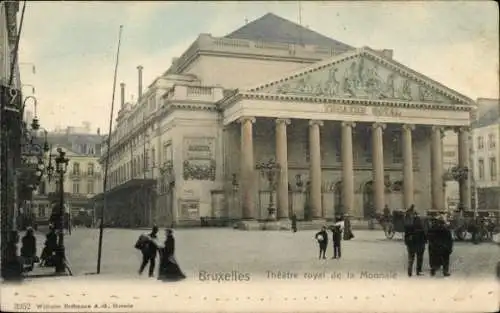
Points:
[[130, 185]]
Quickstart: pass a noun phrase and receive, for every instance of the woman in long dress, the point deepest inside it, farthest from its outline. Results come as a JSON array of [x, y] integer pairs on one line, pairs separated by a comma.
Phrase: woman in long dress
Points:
[[169, 269]]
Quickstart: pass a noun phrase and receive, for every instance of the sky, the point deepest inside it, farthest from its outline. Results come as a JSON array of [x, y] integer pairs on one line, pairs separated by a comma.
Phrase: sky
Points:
[[73, 44]]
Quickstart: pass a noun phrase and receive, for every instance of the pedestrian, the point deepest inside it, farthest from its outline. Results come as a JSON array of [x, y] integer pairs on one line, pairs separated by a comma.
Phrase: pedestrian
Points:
[[415, 240], [169, 268], [322, 238], [28, 249], [294, 223], [348, 235], [50, 246], [440, 247], [148, 246], [336, 239]]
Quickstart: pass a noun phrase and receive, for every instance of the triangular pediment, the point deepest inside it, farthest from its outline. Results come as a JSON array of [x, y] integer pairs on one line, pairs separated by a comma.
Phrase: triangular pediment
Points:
[[362, 74]]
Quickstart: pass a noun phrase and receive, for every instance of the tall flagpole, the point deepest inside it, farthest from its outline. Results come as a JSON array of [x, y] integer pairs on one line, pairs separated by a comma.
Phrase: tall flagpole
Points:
[[106, 166]]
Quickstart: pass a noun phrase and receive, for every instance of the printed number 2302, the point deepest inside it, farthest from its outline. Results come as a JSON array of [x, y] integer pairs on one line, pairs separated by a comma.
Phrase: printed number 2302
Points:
[[22, 306]]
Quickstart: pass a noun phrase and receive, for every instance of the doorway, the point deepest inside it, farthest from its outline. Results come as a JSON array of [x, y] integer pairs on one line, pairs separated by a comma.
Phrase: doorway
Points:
[[338, 201]]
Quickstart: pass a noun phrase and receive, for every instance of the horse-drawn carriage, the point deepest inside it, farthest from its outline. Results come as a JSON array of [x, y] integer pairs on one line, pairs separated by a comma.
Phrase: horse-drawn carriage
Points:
[[484, 226], [395, 222]]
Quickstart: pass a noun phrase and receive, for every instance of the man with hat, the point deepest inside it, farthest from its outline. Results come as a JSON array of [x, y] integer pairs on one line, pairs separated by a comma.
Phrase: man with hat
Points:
[[440, 246], [149, 248]]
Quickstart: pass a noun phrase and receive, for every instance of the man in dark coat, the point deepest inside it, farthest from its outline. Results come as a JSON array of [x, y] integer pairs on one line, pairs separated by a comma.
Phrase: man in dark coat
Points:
[[415, 240], [50, 247], [28, 248], [149, 250], [440, 247], [336, 239], [322, 238]]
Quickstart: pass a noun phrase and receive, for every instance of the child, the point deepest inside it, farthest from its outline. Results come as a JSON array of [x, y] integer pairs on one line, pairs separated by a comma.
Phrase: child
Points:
[[322, 238]]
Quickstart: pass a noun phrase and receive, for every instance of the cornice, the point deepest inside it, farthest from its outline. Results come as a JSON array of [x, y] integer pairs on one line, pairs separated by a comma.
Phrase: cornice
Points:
[[189, 105], [253, 56], [369, 102], [373, 55]]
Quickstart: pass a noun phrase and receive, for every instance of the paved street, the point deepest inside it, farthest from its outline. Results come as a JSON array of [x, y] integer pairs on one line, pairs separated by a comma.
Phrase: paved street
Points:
[[257, 252]]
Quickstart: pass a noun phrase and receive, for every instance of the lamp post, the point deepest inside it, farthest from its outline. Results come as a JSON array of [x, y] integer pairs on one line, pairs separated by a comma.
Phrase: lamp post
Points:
[[61, 166], [270, 170]]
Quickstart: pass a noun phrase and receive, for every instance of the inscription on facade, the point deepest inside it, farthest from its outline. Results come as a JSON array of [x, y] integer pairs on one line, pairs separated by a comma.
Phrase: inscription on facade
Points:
[[199, 158], [189, 209], [361, 110]]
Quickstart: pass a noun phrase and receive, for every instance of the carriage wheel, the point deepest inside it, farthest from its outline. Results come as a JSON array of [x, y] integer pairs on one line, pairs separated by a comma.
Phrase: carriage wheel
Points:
[[461, 233], [389, 231]]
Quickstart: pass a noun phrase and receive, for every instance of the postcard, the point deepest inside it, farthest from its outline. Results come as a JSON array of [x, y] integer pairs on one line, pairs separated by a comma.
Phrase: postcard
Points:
[[250, 156]]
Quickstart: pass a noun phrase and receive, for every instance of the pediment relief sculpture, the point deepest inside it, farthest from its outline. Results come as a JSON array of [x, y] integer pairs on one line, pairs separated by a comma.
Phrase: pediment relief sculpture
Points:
[[360, 78]]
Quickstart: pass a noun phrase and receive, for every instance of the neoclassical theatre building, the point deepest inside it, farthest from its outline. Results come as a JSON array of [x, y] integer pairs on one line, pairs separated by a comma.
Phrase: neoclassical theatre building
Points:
[[351, 129]]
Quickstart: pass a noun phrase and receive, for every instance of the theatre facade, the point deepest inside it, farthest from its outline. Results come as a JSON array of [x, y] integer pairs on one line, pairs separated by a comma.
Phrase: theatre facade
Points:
[[349, 131]]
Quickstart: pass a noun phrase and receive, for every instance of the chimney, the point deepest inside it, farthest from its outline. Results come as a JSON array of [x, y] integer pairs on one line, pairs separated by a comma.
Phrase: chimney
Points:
[[122, 86], [139, 94]]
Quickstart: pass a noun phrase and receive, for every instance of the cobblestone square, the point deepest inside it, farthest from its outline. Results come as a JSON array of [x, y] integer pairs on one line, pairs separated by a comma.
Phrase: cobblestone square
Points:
[[259, 253]]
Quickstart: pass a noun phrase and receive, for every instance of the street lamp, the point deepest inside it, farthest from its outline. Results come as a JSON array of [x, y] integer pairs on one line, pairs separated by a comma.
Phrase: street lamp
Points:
[[269, 170], [61, 166]]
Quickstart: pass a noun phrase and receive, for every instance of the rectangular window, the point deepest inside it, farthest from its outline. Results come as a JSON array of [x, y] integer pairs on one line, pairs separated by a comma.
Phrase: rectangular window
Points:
[[493, 168], [338, 150], [307, 148], [76, 187], [41, 210], [397, 149], [76, 168], [153, 157], [90, 169], [492, 141], [481, 168], [90, 187], [367, 149], [480, 142]]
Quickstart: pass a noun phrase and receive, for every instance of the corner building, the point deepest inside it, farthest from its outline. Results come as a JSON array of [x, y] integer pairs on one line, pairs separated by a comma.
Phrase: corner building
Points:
[[352, 129]]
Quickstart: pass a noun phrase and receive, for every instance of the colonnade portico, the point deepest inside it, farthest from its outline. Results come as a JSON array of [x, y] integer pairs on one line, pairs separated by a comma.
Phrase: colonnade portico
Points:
[[247, 166]]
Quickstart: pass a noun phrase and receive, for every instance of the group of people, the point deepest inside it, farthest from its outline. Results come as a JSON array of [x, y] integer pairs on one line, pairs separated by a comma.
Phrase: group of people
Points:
[[340, 230], [150, 246], [439, 240]]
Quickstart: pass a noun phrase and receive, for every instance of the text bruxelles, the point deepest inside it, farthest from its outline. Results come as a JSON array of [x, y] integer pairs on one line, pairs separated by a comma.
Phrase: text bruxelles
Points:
[[223, 276]]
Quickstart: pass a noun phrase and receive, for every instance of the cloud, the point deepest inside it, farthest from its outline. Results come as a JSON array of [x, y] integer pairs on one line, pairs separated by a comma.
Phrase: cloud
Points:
[[74, 44]]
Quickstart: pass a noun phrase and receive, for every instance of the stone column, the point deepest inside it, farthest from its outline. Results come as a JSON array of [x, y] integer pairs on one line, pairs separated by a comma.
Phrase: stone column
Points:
[[315, 169], [437, 168], [378, 165], [282, 160], [463, 162], [408, 189], [347, 167], [247, 168]]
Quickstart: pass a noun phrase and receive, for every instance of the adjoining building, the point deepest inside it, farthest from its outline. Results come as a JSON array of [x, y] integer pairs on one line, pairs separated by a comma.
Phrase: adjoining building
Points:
[[351, 128], [485, 132], [83, 178]]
